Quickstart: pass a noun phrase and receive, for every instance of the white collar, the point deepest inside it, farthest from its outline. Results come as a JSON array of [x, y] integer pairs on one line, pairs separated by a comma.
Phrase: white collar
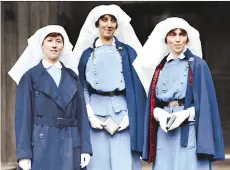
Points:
[[99, 43], [181, 56], [47, 64]]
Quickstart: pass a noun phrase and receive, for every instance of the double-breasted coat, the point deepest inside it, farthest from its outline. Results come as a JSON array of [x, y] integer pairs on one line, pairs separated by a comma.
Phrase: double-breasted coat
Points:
[[51, 122]]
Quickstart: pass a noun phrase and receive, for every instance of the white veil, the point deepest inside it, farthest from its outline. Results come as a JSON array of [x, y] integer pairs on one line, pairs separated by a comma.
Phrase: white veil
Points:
[[155, 48], [34, 52], [89, 31]]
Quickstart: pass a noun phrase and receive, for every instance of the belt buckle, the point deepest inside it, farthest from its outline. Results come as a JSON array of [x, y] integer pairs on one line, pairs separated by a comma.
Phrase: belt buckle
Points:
[[173, 103], [60, 122], [112, 93]]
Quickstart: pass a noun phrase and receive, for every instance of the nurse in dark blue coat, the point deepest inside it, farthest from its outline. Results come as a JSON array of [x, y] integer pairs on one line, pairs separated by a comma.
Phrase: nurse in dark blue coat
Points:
[[181, 86], [51, 123]]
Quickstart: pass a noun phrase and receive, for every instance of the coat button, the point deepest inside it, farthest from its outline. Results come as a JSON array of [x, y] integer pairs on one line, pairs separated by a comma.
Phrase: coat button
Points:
[[191, 59], [37, 93], [39, 115], [41, 136]]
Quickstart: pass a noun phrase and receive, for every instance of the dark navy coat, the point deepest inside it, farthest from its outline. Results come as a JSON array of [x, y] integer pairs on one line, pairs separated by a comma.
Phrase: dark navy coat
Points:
[[209, 137], [135, 94], [41, 108]]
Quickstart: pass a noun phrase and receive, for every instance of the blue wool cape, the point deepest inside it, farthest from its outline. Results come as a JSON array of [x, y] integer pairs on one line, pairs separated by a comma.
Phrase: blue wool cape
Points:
[[209, 136]]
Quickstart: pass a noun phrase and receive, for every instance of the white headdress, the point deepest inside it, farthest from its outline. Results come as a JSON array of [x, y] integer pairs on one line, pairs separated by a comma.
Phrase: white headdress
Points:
[[89, 31], [34, 52], [155, 48]]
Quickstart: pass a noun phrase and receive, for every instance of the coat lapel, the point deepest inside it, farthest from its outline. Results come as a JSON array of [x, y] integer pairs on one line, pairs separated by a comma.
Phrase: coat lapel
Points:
[[60, 95], [67, 86]]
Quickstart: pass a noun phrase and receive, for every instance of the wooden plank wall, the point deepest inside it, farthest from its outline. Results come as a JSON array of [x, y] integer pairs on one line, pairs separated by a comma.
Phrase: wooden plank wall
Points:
[[19, 21], [9, 54]]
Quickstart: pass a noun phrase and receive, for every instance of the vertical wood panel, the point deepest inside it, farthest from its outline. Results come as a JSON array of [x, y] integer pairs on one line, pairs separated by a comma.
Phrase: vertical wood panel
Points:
[[44, 10], [53, 11], [35, 16], [23, 26], [3, 87], [8, 86]]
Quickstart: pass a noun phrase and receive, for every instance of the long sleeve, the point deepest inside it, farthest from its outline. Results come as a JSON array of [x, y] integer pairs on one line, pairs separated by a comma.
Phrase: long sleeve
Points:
[[83, 125], [23, 118], [86, 93]]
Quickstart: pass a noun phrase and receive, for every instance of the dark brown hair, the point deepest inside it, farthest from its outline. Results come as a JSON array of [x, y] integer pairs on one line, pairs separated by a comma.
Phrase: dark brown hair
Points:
[[171, 31], [54, 34], [101, 17]]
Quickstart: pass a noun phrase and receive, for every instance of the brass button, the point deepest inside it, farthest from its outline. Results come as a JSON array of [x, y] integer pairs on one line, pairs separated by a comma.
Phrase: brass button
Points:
[[41, 136], [191, 59]]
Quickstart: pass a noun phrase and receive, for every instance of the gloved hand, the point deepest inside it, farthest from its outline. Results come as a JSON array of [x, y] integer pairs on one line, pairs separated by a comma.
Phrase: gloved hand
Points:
[[124, 123], [181, 116], [94, 121], [85, 158], [161, 116], [25, 164]]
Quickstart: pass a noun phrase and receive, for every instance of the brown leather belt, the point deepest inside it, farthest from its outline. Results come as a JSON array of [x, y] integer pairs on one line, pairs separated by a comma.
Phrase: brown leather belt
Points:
[[178, 102], [112, 93]]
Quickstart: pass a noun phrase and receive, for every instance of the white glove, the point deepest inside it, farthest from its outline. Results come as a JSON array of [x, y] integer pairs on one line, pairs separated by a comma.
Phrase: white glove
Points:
[[94, 121], [25, 164], [181, 116], [191, 113], [161, 116], [85, 158], [124, 123]]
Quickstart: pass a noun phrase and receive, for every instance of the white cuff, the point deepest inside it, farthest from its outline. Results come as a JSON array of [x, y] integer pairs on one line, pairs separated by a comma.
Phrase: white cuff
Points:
[[89, 111], [155, 113], [191, 114]]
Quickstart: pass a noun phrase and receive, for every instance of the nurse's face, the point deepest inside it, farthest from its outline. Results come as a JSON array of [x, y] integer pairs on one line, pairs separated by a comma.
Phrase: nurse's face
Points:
[[52, 47], [176, 40], [107, 26]]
